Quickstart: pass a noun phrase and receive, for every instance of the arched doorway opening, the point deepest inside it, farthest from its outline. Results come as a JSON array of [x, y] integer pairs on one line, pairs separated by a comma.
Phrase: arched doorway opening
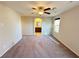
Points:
[[37, 26]]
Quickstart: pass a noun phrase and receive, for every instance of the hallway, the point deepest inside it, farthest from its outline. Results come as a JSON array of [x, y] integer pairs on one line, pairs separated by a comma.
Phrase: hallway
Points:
[[42, 47]]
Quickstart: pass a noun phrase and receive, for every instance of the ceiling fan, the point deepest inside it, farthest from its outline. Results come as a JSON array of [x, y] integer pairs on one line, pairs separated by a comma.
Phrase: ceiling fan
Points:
[[41, 10]]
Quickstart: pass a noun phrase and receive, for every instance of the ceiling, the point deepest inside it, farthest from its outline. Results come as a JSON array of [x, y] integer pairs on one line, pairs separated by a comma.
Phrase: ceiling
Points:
[[24, 8]]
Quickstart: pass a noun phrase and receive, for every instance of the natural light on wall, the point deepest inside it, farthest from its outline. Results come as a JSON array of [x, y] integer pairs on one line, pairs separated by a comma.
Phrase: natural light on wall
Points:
[[56, 25], [38, 22]]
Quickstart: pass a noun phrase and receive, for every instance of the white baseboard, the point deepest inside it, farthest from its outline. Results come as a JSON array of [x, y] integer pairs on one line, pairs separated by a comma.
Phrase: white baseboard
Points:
[[8, 48]]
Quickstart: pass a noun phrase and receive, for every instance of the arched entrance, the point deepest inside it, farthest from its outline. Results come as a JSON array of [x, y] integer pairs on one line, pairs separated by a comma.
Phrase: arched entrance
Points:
[[38, 26]]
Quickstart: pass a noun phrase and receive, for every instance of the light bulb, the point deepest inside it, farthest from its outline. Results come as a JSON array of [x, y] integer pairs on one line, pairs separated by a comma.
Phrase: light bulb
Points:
[[40, 13]]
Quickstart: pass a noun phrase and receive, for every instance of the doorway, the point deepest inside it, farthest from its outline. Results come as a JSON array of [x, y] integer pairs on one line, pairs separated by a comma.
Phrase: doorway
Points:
[[38, 26]]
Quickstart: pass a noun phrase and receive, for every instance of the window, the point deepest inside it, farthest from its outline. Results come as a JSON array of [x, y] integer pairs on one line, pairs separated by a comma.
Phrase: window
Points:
[[56, 25]]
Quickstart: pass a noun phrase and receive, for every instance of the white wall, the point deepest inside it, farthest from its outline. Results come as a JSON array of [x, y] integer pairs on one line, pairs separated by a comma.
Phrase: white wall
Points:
[[28, 25], [69, 29], [46, 25], [10, 28]]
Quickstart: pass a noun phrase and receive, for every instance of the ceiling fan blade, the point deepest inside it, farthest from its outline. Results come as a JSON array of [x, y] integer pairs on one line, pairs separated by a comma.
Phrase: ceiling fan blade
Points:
[[34, 8], [47, 9], [47, 12]]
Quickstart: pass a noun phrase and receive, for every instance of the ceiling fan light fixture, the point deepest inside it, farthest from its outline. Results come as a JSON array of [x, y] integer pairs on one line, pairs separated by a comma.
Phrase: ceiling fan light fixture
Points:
[[40, 12]]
